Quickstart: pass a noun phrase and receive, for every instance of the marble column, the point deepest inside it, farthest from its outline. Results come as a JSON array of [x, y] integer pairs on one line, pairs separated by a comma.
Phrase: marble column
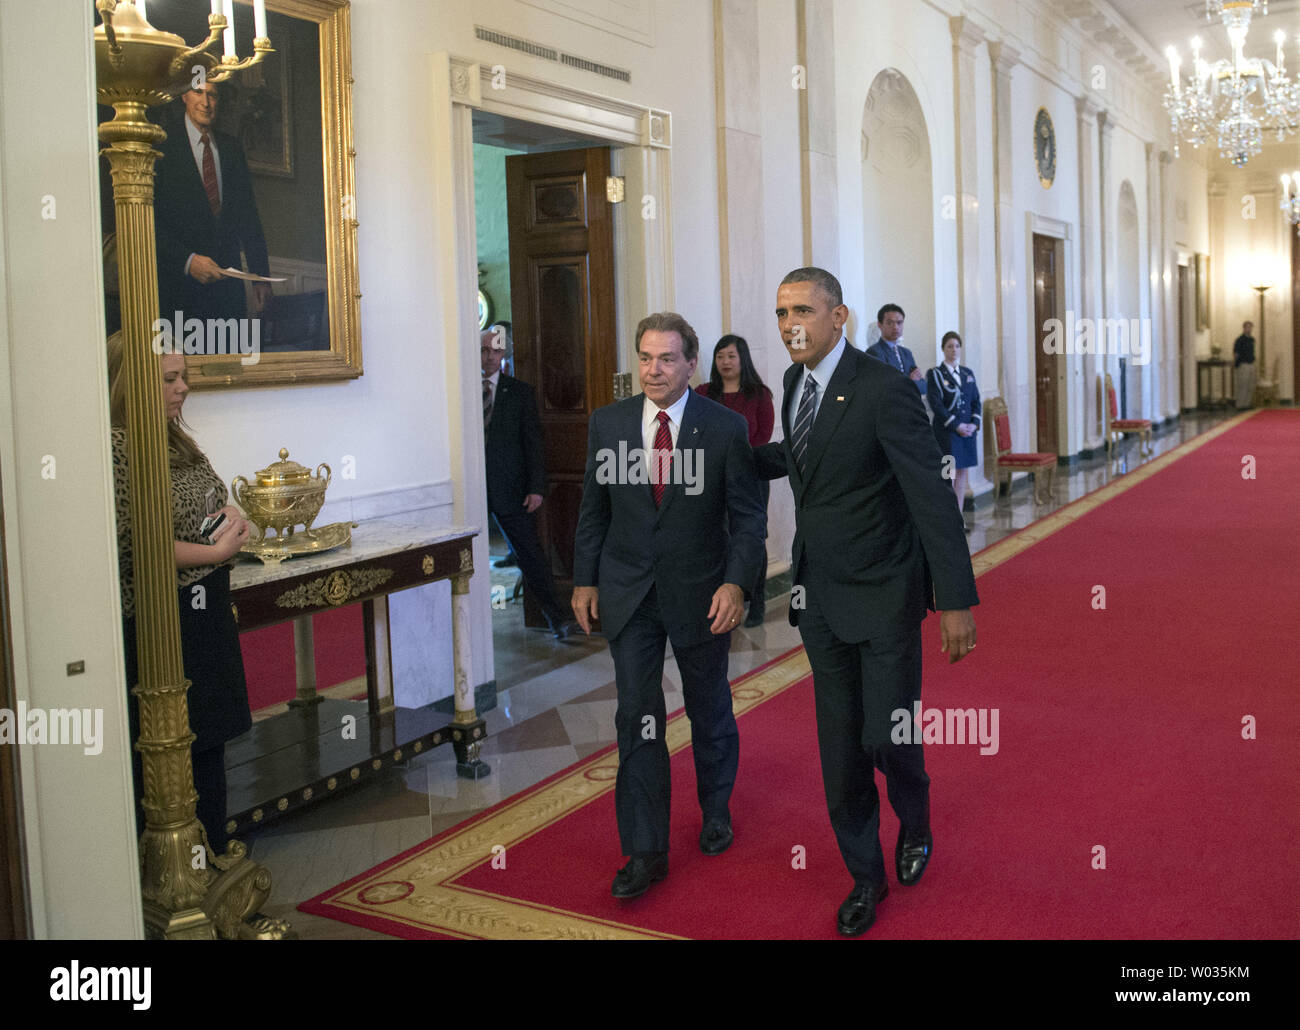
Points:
[[1106, 362], [1003, 58], [1218, 192], [821, 237], [966, 38], [1089, 302], [1150, 373], [746, 300]]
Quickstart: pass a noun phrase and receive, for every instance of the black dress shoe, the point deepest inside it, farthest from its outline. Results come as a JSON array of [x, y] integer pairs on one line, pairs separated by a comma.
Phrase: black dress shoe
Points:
[[911, 854], [564, 630], [635, 878], [859, 909], [508, 562], [716, 836]]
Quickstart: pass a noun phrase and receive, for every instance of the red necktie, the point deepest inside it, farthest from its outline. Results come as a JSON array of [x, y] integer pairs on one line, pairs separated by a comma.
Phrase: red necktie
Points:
[[663, 458], [210, 176]]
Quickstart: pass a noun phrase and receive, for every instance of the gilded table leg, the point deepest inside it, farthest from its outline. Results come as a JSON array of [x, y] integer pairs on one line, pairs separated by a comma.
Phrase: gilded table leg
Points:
[[304, 663], [468, 731]]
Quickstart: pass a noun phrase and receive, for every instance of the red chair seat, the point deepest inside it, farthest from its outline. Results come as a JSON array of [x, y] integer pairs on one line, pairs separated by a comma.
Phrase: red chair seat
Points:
[[1026, 460], [1125, 424]]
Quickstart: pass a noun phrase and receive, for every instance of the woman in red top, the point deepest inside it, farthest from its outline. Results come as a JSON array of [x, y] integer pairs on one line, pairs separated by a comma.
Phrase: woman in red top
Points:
[[735, 383]]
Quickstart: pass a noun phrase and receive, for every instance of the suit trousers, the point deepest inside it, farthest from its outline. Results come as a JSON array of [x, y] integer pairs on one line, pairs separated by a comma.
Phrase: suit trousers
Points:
[[520, 530], [642, 791], [857, 688]]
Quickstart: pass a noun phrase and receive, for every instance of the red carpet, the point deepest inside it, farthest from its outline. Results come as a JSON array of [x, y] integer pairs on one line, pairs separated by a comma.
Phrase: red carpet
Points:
[[1119, 729], [268, 656]]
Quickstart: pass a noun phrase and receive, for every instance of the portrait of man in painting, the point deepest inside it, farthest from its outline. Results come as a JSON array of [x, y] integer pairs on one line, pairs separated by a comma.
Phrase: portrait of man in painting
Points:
[[248, 205]]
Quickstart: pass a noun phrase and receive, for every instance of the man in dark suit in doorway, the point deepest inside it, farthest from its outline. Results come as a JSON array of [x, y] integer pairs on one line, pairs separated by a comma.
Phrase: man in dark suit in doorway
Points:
[[516, 473], [876, 538], [205, 216], [670, 536]]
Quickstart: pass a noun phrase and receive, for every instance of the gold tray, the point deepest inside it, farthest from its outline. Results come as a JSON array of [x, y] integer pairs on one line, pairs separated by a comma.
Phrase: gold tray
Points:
[[304, 541]]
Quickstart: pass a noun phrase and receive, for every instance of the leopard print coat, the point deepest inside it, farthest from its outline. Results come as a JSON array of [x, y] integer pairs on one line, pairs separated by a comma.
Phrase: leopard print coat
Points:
[[190, 488]]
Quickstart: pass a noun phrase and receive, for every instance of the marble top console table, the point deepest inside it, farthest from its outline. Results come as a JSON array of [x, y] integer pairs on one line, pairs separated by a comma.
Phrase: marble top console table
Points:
[[322, 746]]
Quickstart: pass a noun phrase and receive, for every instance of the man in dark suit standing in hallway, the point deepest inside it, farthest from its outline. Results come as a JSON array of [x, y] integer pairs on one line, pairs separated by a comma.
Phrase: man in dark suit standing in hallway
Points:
[[516, 473], [876, 537], [670, 536], [205, 216], [889, 348]]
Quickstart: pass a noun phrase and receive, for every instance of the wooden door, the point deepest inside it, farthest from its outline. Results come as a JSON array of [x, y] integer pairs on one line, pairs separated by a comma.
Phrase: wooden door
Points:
[[562, 307], [1045, 364]]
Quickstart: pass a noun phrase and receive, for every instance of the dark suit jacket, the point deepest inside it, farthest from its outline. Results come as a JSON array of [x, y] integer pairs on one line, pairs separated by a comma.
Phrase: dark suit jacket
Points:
[[516, 465], [881, 351], [184, 225], [692, 543], [878, 538]]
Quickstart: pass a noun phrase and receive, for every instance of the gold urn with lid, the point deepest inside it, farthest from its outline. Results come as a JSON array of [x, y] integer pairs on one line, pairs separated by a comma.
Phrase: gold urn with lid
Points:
[[285, 495]]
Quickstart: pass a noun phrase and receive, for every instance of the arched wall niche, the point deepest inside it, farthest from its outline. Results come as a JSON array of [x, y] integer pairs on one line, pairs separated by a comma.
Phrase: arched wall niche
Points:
[[897, 215]]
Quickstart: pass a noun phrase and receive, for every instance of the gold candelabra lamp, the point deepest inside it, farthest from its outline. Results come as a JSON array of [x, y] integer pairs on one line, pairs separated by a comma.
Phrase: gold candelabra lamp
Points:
[[189, 890]]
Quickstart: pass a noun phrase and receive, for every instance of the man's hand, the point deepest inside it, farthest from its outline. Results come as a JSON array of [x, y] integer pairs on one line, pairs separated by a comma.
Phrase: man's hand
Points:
[[727, 608], [204, 269], [261, 295], [957, 633], [532, 502], [586, 607], [916, 374]]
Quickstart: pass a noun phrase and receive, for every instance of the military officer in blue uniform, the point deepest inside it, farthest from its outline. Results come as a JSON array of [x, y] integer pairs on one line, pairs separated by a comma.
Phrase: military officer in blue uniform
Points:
[[955, 401]]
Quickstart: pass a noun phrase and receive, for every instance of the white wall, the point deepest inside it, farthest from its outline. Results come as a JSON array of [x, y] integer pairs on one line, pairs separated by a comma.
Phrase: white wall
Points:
[[59, 530]]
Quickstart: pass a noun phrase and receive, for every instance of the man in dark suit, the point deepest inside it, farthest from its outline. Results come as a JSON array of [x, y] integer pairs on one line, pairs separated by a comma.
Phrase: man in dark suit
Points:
[[876, 537], [670, 536], [204, 217], [516, 473], [889, 348]]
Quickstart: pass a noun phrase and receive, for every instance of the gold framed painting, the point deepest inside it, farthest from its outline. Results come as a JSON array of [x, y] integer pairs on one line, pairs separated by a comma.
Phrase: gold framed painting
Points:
[[277, 203], [1202, 291]]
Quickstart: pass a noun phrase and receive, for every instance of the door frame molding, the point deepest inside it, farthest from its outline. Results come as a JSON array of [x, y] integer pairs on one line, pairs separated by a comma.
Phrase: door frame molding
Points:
[[1070, 375], [641, 141]]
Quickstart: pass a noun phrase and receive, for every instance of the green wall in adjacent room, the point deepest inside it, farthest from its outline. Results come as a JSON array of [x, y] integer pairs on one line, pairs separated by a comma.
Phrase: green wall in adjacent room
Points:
[[490, 224]]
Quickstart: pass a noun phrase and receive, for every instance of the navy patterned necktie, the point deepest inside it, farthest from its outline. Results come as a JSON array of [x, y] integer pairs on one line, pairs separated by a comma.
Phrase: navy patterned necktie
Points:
[[803, 421]]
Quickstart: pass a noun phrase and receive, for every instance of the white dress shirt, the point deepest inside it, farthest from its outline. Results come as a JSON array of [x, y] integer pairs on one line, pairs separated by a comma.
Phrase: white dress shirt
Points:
[[822, 374], [196, 148], [650, 420]]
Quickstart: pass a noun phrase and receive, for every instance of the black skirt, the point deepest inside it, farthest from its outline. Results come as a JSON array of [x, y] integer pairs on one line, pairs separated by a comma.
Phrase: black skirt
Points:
[[218, 695]]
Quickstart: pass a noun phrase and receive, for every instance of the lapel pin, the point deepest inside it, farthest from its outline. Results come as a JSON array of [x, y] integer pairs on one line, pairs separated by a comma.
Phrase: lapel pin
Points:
[[839, 398]]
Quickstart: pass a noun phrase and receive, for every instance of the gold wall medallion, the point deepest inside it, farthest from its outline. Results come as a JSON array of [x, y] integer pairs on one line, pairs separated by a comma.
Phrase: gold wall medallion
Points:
[[1045, 148]]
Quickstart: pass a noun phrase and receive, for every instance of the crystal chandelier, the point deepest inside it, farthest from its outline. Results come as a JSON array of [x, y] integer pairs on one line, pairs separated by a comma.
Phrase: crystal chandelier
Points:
[[1291, 199], [1234, 101]]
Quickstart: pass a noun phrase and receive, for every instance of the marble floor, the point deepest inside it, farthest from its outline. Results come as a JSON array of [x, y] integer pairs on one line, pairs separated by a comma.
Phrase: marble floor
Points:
[[555, 705]]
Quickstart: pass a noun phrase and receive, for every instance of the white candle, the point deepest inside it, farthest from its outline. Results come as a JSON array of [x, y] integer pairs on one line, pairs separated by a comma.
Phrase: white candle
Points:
[[1279, 37], [228, 9], [259, 19], [1174, 62], [216, 6]]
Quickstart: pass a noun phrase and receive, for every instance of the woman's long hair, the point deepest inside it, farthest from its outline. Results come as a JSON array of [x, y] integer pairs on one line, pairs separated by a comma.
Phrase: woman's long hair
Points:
[[182, 451], [751, 384]]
